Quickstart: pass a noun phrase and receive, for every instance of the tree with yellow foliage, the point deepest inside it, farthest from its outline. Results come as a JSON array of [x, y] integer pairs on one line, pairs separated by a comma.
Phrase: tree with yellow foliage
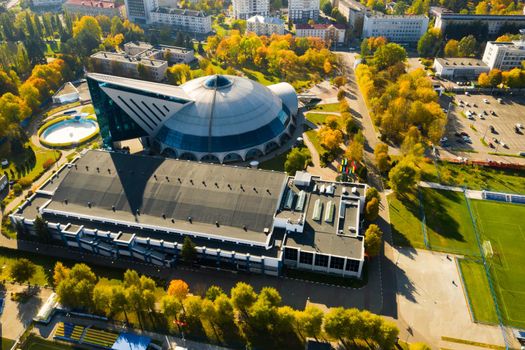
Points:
[[330, 139], [179, 289]]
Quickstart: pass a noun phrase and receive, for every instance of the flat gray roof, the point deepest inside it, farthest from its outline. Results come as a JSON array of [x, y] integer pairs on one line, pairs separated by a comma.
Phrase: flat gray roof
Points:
[[326, 243], [30, 211], [140, 189]]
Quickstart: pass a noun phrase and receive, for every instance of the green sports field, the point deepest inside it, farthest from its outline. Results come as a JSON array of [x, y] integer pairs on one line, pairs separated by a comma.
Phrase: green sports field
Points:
[[503, 224], [449, 229]]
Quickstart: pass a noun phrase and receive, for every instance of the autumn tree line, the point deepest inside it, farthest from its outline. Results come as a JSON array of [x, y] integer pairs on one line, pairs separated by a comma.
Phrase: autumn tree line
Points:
[[240, 317]]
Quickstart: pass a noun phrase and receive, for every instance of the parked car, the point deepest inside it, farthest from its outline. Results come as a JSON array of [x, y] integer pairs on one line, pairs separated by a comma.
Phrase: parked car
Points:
[[463, 133], [492, 129], [493, 113], [485, 100], [5, 163], [491, 145]]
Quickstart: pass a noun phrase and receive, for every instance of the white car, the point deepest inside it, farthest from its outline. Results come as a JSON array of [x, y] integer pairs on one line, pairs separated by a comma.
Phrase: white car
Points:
[[5, 163], [485, 100]]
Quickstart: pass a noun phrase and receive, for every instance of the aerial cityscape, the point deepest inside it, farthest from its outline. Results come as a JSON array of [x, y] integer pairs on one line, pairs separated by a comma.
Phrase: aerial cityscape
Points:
[[262, 174]]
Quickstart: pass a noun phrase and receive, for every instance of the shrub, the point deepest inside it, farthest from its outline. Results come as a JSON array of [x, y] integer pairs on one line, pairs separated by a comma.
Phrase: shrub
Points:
[[17, 189], [25, 182], [48, 163]]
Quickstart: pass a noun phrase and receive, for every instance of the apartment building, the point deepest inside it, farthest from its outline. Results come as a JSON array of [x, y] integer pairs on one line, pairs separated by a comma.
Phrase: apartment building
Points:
[[182, 19], [401, 29], [504, 55], [303, 10], [139, 10], [261, 25], [94, 8], [460, 68], [123, 64], [244, 9], [330, 33], [354, 12]]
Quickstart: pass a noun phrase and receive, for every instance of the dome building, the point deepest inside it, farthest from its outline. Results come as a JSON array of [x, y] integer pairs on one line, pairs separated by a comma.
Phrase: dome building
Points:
[[218, 118]]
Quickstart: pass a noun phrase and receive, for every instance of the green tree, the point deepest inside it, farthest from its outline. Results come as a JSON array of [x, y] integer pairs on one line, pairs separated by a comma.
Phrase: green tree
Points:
[[188, 251], [213, 292], [354, 151], [243, 296], [22, 270], [118, 302], [372, 209], [336, 323], [87, 34], [382, 159], [310, 321], [389, 55], [365, 48], [42, 230], [403, 177], [297, 160], [429, 43], [373, 239], [8, 83], [468, 46], [452, 48], [60, 273], [178, 74]]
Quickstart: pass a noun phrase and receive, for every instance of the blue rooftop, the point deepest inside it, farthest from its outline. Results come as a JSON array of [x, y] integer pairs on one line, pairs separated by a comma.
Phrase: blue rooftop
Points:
[[128, 341]]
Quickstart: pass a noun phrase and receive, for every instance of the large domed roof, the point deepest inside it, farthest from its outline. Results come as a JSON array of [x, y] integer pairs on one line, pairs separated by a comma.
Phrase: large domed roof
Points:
[[225, 105]]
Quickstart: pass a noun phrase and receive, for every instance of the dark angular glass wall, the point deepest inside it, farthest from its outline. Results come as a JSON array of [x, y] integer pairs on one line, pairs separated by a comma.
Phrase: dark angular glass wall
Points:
[[115, 124]]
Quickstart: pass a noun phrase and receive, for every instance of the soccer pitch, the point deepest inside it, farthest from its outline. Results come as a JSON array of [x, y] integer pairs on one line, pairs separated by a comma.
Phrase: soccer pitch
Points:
[[449, 228], [502, 224]]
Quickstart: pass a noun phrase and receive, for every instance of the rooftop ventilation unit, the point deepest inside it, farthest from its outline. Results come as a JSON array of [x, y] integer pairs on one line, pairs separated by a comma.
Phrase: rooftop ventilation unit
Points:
[[318, 210], [301, 199], [289, 200], [329, 212]]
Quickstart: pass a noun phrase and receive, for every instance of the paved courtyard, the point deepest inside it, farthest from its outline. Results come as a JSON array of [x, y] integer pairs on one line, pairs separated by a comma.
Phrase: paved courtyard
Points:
[[432, 302], [17, 316]]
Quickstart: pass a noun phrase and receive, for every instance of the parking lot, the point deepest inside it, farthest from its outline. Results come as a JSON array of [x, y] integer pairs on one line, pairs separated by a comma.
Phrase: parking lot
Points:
[[481, 123]]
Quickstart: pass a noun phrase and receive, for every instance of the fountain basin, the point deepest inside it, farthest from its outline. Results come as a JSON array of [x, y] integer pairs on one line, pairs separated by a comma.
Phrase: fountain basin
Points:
[[68, 131]]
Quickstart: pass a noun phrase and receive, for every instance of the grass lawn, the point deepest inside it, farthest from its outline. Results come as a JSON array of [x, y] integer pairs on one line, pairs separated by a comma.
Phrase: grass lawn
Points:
[[276, 163], [30, 162], [6, 344], [319, 118], [449, 227], [478, 291], [476, 178], [88, 109], [62, 108], [314, 139], [259, 77], [448, 224], [36, 343], [328, 107], [501, 224], [405, 222]]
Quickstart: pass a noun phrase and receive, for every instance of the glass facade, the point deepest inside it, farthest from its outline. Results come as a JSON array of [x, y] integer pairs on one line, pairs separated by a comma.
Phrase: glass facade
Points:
[[114, 122], [180, 141]]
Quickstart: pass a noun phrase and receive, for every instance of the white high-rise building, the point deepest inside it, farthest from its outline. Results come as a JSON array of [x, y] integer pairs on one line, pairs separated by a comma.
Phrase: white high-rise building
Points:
[[303, 10], [139, 10], [504, 55], [245, 9], [182, 19]]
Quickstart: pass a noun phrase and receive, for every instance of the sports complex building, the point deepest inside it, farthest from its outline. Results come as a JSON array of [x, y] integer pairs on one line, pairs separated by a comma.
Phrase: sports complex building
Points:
[[215, 118], [142, 207]]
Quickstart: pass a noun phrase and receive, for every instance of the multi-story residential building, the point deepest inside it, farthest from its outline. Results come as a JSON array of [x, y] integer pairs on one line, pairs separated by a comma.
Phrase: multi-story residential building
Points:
[[182, 19], [459, 68], [401, 29], [139, 10], [244, 9], [330, 33], [46, 3], [265, 25], [354, 12], [123, 64], [494, 23], [173, 54], [94, 8], [303, 10], [140, 208], [504, 55]]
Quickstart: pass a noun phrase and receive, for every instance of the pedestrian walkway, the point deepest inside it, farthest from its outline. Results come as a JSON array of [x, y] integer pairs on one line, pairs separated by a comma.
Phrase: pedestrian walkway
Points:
[[472, 194]]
